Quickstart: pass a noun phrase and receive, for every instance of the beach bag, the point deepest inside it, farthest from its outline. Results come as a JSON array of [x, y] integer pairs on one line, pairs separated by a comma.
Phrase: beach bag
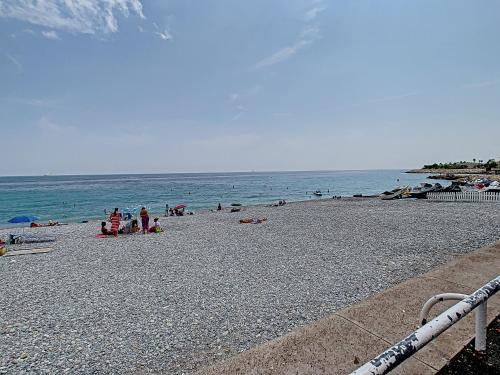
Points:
[[14, 239]]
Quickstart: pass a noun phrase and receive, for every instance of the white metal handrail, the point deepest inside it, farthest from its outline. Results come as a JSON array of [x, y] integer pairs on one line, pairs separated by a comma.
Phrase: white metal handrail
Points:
[[480, 341], [404, 349]]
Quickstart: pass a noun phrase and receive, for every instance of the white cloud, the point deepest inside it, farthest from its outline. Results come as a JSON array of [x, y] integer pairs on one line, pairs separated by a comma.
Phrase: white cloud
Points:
[[306, 36], [14, 61], [237, 101], [281, 55], [313, 12], [237, 116], [50, 34], [252, 91], [19, 33], [84, 16], [164, 35], [309, 33]]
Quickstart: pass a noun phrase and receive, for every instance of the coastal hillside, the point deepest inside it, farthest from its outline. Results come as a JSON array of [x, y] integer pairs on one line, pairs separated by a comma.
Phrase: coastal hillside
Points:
[[461, 167]]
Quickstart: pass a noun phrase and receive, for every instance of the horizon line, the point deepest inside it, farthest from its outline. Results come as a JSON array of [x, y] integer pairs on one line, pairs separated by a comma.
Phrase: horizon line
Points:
[[210, 172]]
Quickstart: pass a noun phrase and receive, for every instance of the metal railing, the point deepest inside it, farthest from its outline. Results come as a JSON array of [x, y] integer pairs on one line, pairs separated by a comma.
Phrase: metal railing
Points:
[[404, 349]]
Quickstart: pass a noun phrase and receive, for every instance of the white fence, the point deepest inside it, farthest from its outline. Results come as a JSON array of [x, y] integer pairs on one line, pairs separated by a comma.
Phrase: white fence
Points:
[[464, 196]]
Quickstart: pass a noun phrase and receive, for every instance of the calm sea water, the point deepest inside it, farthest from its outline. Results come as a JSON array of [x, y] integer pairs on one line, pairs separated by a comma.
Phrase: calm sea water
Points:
[[77, 198]]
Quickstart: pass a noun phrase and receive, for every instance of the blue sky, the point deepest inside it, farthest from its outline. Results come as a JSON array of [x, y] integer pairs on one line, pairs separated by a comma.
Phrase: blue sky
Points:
[[117, 86]]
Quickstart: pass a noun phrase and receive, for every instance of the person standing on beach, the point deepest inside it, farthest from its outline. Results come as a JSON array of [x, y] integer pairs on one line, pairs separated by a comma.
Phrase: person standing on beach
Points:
[[144, 219], [115, 221]]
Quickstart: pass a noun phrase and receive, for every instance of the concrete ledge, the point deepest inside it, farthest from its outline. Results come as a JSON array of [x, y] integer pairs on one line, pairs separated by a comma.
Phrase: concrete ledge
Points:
[[341, 342]]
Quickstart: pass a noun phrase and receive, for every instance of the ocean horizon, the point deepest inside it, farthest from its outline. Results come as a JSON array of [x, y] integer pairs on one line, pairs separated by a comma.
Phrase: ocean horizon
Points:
[[74, 198], [49, 174]]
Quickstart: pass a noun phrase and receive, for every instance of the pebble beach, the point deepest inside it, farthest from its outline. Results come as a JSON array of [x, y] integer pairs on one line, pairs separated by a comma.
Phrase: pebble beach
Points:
[[208, 287]]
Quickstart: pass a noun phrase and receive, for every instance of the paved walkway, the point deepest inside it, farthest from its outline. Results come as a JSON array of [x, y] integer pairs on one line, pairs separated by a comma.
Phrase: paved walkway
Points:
[[341, 342]]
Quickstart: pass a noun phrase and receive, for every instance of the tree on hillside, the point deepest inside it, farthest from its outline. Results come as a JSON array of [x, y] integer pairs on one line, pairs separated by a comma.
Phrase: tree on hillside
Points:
[[490, 164]]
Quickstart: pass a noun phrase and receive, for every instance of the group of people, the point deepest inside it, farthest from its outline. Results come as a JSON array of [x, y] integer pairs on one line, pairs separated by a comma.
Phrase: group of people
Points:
[[177, 212], [132, 226], [281, 202]]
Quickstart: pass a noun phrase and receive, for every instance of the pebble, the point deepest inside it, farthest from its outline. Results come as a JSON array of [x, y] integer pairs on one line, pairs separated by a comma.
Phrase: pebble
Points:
[[209, 287]]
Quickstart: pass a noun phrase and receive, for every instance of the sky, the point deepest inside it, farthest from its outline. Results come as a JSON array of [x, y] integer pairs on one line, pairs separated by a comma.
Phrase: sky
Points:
[[139, 86]]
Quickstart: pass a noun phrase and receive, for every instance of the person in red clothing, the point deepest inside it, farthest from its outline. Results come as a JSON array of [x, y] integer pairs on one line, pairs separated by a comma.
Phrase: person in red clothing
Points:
[[115, 221]]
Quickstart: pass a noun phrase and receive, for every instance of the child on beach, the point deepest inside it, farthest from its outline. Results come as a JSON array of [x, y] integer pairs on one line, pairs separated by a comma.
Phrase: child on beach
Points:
[[144, 220], [156, 226], [135, 227], [105, 230]]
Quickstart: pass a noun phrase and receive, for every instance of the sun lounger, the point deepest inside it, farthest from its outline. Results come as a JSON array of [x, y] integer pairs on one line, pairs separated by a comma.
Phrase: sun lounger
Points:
[[29, 238]]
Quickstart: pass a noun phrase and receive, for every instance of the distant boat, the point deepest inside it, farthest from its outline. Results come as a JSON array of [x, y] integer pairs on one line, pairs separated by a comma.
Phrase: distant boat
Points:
[[494, 187], [394, 194], [420, 192], [318, 193]]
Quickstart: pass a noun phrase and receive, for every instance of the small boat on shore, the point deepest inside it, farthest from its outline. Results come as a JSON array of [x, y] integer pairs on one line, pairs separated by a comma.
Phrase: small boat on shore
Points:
[[494, 187], [318, 193], [420, 192], [455, 187], [396, 193], [236, 207]]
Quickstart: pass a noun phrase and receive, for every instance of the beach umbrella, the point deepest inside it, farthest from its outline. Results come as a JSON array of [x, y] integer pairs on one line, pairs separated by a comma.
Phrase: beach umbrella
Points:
[[22, 219], [180, 206], [236, 204]]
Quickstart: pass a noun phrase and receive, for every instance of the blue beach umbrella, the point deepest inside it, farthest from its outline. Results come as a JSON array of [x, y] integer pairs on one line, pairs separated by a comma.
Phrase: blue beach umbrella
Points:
[[22, 219]]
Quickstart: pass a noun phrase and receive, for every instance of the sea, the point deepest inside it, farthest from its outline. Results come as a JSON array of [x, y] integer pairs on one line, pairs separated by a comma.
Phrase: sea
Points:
[[85, 197]]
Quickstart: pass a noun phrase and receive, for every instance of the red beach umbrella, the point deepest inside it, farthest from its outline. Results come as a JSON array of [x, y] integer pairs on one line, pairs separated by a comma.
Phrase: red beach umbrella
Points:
[[180, 206]]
